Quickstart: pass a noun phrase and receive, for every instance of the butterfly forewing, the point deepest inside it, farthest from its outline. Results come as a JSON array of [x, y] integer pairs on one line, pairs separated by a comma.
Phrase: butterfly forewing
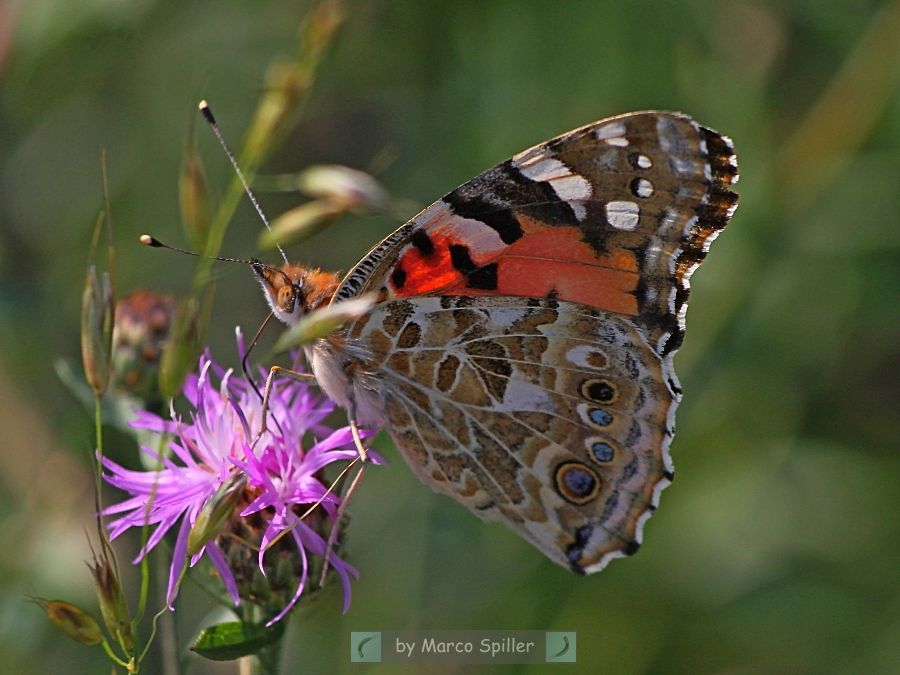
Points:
[[615, 215]]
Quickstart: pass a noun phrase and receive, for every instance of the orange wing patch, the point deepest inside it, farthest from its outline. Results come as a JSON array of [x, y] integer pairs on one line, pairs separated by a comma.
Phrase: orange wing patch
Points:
[[545, 262]]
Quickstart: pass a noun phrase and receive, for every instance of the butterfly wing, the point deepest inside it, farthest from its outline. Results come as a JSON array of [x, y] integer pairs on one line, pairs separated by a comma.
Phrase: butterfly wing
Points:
[[546, 415], [615, 215], [524, 337]]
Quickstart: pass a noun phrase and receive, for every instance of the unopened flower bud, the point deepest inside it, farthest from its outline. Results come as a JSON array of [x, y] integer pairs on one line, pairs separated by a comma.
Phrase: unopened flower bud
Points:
[[216, 512], [323, 321], [300, 223], [353, 189], [318, 29]]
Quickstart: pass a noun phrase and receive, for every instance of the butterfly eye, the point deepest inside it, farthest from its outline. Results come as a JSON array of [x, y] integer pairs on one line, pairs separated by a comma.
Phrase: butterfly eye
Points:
[[287, 298]]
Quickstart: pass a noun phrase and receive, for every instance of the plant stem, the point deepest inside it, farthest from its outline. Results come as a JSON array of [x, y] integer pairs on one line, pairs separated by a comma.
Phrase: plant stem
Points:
[[268, 660]]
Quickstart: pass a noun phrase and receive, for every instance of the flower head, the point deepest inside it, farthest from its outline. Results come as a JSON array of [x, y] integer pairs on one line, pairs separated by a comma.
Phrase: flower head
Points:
[[217, 446]]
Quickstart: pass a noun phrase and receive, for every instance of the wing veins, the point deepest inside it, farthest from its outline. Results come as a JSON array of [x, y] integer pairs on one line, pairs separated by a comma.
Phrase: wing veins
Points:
[[455, 441]]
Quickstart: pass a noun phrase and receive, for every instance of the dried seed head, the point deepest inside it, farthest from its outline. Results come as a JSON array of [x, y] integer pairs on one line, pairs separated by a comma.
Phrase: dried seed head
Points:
[[113, 606], [72, 620]]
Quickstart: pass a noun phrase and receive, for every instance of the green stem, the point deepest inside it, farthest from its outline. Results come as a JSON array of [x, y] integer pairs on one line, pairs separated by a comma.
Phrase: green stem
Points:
[[98, 464], [156, 617], [268, 660], [112, 655], [145, 530]]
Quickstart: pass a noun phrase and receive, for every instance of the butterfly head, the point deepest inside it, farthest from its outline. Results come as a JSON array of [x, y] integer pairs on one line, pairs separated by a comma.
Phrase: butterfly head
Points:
[[292, 290]]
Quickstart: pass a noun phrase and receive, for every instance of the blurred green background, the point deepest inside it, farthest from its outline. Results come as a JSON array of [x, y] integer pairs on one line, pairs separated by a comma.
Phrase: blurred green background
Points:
[[775, 551]]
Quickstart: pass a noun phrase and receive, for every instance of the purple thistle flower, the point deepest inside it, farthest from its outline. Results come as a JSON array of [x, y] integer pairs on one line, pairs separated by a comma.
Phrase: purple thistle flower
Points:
[[215, 446]]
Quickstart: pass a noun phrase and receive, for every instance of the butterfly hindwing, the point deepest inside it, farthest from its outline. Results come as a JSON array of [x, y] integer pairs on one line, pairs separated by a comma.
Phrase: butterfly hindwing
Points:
[[543, 414]]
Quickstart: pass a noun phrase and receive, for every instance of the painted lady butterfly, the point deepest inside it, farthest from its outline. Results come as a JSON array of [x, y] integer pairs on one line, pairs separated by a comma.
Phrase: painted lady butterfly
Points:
[[520, 351]]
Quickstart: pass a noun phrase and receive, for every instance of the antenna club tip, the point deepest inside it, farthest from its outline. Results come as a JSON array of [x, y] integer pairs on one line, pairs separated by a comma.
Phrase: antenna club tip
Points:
[[206, 111], [147, 240]]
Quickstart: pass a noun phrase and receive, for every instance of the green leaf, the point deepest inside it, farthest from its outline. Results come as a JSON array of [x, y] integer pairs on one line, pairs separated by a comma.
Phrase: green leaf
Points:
[[229, 641]]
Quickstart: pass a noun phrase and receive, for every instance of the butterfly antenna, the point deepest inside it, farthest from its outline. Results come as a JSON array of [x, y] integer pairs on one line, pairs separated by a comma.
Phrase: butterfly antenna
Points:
[[211, 120], [153, 242]]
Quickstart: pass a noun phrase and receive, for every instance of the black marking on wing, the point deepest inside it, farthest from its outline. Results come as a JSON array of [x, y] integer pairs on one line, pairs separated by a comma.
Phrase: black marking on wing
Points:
[[461, 260], [495, 196], [398, 278], [484, 278], [422, 242]]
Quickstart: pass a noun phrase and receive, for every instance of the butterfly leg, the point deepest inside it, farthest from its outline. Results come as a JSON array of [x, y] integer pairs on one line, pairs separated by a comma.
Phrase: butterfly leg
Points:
[[363, 456], [357, 440], [332, 536], [275, 371]]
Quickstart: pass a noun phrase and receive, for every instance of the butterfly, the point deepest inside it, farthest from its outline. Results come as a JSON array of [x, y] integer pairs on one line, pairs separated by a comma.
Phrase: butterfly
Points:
[[520, 351]]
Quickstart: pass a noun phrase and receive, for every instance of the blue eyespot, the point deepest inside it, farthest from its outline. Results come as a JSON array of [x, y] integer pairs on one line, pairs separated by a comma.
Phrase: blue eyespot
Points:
[[603, 452], [579, 482], [600, 416]]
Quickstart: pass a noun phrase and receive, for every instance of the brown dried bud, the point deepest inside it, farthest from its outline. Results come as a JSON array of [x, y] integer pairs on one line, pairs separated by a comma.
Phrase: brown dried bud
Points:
[[193, 192], [98, 311], [98, 308], [180, 350], [72, 620], [143, 322], [285, 87], [113, 605]]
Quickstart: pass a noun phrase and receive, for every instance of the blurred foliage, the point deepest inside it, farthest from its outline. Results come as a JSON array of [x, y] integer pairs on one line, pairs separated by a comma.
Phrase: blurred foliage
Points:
[[775, 550]]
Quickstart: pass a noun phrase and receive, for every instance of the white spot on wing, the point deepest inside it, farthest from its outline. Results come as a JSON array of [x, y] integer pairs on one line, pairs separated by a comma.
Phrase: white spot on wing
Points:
[[542, 169], [483, 241], [579, 210], [569, 187], [643, 162], [572, 188], [611, 130], [579, 356], [506, 316], [623, 215], [644, 188], [613, 133], [522, 395]]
